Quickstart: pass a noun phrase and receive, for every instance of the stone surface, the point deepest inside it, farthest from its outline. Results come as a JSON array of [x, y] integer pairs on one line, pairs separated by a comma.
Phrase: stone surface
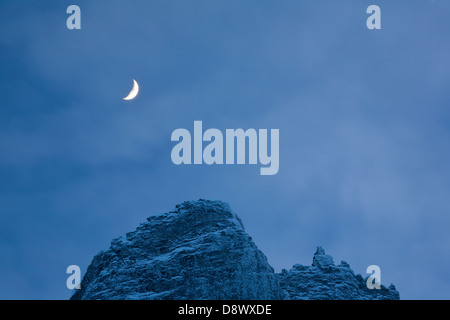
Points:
[[323, 280], [198, 251], [201, 251]]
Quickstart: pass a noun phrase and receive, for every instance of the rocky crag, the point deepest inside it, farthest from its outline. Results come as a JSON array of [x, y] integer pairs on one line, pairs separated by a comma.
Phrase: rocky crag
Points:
[[201, 251], [323, 280]]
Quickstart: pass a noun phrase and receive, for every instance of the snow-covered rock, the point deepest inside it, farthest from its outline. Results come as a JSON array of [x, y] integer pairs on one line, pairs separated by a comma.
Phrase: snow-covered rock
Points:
[[326, 281], [198, 251], [201, 251]]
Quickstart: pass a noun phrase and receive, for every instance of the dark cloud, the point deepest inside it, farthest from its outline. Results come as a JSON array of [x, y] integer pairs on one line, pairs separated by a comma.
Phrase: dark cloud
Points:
[[363, 119]]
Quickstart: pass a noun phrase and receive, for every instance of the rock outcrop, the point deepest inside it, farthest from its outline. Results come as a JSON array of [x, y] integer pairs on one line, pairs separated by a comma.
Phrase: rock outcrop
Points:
[[201, 251], [323, 280], [198, 251]]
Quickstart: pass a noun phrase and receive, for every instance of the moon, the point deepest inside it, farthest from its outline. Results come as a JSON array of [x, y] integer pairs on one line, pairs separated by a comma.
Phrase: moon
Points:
[[133, 93]]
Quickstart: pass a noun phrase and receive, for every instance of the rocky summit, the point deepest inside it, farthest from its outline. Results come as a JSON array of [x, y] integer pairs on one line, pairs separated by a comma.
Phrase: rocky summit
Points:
[[198, 251], [201, 251], [323, 280]]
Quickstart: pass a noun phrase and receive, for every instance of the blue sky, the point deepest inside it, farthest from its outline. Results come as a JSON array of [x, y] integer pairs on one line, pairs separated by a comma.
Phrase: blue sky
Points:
[[364, 120]]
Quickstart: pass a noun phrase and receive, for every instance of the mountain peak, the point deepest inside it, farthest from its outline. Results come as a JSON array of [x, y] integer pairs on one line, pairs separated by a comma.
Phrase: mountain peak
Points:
[[200, 251], [319, 250], [322, 260]]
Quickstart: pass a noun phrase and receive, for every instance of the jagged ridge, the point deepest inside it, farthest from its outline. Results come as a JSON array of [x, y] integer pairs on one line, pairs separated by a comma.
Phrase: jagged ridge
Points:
[[201, 251], [323, 280]]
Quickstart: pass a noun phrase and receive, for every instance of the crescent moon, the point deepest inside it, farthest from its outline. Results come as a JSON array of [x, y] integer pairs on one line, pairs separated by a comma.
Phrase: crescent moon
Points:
[[133, 93]]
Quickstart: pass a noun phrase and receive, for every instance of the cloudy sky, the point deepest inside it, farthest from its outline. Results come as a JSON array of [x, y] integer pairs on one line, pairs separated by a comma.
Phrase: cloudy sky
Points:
[[364, 120]]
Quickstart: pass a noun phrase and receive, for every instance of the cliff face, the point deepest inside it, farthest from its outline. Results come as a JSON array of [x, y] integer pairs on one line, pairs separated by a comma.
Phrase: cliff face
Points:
[[198, 251], [201, 251]]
